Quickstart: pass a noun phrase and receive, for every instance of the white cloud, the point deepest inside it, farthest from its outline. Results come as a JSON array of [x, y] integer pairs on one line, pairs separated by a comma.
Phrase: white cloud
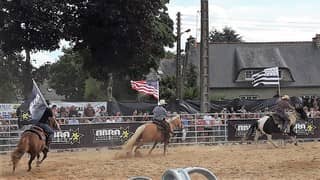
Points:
[[253, 23]]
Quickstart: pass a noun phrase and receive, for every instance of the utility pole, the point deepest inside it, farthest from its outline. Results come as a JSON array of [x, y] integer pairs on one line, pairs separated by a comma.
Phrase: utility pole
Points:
[[178, 59], [204, 57]]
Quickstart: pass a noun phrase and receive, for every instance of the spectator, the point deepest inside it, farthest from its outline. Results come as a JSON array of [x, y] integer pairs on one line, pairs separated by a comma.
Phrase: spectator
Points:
[[54, 110], [102, 111], [73, 111], [217, 118], [208, 119], [118, 117], [89, 112], [73, 120], [134, 115]]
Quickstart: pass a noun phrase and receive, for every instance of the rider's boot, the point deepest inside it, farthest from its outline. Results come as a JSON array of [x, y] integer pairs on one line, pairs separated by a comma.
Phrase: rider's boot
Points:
[[286, 127]]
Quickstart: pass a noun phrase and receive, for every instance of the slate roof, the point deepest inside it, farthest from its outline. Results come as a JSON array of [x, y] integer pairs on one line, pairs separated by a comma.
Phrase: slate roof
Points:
[[168, 67], [226, 60]]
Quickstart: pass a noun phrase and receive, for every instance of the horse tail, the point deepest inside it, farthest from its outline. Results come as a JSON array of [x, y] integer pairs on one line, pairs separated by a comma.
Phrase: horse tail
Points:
[[19, 151], [253, 127], [130, 143]]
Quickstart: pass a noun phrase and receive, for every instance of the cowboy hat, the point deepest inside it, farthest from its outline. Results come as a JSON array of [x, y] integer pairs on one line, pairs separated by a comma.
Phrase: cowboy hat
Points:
[[285, 97], [162, 102]]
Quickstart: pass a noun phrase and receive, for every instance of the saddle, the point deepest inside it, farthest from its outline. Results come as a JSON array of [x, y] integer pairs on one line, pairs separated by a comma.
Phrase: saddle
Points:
[[164, 127], [278, 120], [37, 130]]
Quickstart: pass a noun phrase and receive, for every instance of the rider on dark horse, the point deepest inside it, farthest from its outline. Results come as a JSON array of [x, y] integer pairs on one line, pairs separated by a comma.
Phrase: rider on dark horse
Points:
[[159, 118], [44, 124], [281, 109], [24, 118]]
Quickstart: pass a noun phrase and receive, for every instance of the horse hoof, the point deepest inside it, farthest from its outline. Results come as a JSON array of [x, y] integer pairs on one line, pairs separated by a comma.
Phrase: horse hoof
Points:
[[296, 144]]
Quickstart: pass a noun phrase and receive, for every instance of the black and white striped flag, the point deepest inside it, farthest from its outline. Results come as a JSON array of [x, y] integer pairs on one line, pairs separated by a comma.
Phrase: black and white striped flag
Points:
[[269, 76], [35, 103]]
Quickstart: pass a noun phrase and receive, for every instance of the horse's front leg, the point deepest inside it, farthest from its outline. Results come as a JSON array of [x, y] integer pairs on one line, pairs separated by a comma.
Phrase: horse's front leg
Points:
[[154, 145], [269, 137], [256, 136], [135, 149], [293, 136], [165, 148]]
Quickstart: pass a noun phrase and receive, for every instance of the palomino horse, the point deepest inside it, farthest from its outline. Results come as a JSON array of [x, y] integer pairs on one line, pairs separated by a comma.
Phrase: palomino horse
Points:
[[149, 132], [32, 141], [267, 126]]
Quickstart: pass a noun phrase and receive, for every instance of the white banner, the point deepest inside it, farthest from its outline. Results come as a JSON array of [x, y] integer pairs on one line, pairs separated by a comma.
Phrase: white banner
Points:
[[7, 110]]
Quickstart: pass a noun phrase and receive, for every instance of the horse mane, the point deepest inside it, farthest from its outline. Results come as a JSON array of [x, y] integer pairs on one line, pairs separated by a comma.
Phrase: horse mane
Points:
[[172, 118]]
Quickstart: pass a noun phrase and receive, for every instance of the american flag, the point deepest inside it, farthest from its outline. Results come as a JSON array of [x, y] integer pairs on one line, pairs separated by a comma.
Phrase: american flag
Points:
[[147, 87]]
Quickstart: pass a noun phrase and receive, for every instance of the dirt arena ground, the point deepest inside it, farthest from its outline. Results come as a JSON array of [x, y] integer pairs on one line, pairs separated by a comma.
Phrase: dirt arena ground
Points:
[[226, 161]]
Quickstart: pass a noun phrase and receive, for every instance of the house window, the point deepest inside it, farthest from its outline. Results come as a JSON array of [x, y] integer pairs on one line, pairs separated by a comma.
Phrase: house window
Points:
[[248, 97], [250, 73]]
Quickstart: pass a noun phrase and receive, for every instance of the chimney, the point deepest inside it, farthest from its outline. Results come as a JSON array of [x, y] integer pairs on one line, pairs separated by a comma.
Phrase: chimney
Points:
[[316, 40]]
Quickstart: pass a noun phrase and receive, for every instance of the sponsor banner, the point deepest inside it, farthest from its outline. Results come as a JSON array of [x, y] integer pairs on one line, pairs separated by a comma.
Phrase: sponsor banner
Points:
[[238, 128], [7, 110], [304, 129], [93, 135]]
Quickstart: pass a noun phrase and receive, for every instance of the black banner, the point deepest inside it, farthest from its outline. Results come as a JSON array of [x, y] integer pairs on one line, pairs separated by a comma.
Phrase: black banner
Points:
[[304, 129], [93, 135]]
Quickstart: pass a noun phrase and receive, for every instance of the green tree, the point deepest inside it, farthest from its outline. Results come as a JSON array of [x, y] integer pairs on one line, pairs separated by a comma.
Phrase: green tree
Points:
[[42, 73], [191, 90], [67, 76], [94, 90], [124, 37], [10, 73], [168, 87], [227, 35], [30, 25]]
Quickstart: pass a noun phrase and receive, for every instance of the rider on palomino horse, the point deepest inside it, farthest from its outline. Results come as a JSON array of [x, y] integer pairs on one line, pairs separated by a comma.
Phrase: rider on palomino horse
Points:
[[159, 118], [281, 117]]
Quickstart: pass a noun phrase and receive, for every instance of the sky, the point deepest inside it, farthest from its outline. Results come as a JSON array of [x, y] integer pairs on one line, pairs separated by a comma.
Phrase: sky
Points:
[[254, 20]]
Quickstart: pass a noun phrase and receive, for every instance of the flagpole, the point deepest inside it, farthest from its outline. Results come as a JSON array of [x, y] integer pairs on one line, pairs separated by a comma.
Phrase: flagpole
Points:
[[158, 91], [41, 96], [279, 93], [279, 87]]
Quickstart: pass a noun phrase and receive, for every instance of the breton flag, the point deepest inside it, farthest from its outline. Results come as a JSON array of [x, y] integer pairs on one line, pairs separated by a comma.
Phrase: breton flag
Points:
[[147, 87], [35, 103], [269, 76]]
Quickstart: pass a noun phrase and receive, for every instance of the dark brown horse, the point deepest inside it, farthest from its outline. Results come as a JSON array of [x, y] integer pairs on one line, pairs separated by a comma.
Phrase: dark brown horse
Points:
[[32, 141], [149, 132]]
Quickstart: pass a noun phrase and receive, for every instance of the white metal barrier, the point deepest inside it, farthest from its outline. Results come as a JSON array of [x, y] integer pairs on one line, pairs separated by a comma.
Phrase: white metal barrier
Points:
[[9, 135], [198, 128]]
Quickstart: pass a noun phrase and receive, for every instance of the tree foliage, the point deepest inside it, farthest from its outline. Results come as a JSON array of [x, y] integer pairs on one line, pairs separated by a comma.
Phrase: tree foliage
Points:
[[10, 73], [30, 25], [94, 90], [125, 37], [67, 76], [168, 87], [191, 90], [226, 35]]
